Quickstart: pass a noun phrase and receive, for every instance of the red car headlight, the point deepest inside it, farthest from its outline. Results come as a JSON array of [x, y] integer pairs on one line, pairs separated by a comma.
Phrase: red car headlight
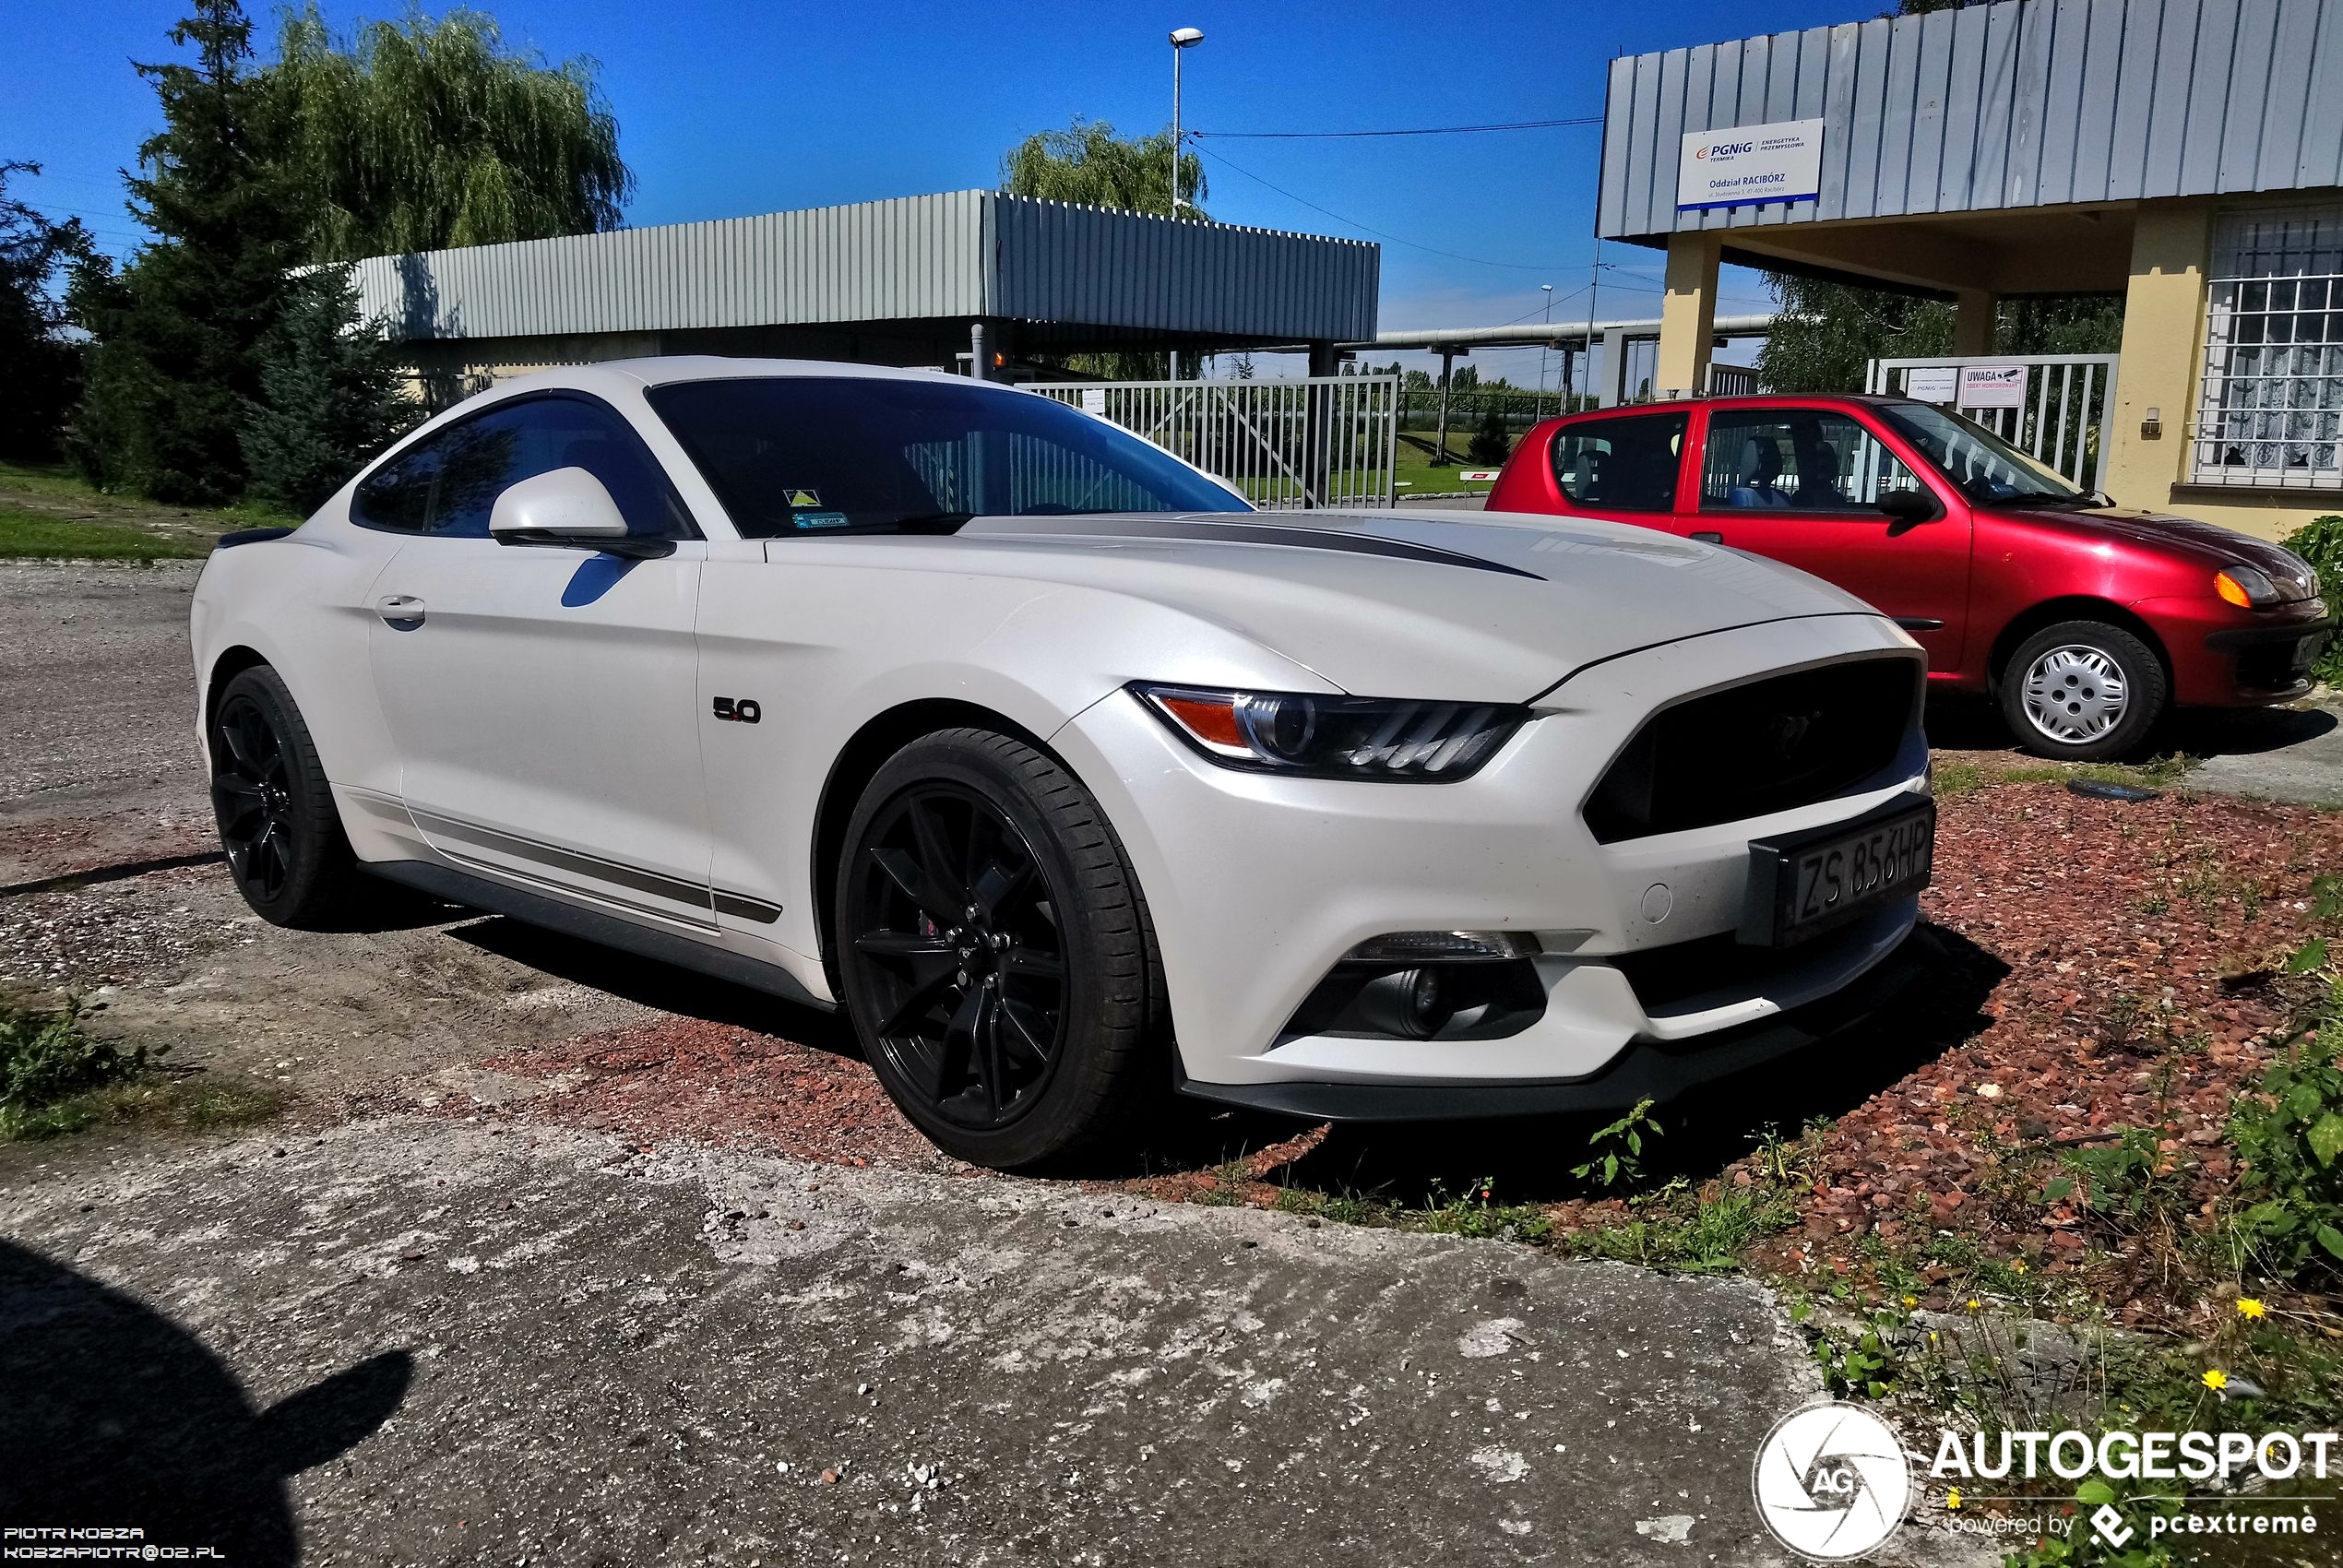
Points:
[[2248, 588]]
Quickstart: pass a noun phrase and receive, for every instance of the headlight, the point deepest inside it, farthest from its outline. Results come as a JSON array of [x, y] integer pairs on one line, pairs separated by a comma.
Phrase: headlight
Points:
[[2245, 586], [1329, 737]]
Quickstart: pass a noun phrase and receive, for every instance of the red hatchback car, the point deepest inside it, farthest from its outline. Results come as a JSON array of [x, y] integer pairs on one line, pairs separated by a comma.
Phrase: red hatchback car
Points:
[[2085, 620]]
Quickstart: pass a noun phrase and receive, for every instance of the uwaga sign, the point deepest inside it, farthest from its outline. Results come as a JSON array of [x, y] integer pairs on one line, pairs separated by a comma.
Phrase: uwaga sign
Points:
[[1745, 164]]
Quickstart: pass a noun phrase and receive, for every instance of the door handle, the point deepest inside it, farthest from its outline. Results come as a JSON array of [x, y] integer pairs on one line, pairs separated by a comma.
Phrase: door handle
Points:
[[400, 612], [1709, 539]]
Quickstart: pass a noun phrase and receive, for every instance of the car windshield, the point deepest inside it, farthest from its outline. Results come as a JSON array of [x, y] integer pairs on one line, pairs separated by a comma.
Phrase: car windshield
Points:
[[804, 456], [1987, 469]]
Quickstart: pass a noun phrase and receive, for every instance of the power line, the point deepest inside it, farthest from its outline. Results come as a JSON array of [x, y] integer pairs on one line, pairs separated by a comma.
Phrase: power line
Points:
[[1413, 131]]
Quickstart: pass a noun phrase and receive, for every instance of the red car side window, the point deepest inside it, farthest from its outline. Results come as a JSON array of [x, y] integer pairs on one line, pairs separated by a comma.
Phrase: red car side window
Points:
[[1621, 465], [1796, 460]]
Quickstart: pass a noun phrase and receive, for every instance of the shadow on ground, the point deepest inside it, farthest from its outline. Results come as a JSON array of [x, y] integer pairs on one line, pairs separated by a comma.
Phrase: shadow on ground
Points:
[[652, 983], [114, 1415], [1527, 1160], [1968, 723]]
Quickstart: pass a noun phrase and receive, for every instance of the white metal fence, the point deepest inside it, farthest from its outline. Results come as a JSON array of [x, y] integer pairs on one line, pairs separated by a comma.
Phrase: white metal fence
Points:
[[2061, 413], [1318, 441]]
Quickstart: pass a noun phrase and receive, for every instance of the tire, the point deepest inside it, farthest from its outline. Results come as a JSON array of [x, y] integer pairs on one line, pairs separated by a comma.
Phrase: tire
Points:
[[2084, 691], [996, 955], [275, 811]]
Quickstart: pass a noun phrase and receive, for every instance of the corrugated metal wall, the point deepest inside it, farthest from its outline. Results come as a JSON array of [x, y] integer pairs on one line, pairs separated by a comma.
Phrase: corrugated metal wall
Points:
[[2025, 103], [957, 255]]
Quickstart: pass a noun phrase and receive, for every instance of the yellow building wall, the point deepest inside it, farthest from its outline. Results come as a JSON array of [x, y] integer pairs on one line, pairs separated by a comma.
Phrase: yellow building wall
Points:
[[2161, 369]]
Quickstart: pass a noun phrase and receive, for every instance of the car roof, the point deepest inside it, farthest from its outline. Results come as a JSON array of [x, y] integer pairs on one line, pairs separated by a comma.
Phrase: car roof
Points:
[[1743, 400], [665, 369]]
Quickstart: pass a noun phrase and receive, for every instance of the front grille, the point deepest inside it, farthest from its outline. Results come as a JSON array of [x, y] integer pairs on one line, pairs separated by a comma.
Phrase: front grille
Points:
[[1787, 740]]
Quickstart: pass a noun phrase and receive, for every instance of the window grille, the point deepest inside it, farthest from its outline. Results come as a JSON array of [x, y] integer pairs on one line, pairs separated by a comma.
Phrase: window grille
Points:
[[2271, 411]]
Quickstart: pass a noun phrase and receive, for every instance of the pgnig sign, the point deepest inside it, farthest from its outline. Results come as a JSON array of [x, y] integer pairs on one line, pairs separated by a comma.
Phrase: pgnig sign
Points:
[[1744, 164]]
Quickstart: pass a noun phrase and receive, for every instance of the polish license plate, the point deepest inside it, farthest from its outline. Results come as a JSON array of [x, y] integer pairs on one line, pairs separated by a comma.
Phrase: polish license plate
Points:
[[1803, 883]]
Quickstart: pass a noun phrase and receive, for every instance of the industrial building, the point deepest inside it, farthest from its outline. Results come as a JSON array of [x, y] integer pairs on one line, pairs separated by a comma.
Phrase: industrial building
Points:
[[2186, 154], [962, 278]]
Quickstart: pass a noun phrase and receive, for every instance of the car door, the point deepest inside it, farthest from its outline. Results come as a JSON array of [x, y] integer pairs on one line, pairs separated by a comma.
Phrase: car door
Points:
[[543, 700], [1803, 486]]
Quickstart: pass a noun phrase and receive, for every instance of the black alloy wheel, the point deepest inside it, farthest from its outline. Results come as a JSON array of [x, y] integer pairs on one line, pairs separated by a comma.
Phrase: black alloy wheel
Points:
[[251, 796], [275, 810], [964, 960], [994, 952]]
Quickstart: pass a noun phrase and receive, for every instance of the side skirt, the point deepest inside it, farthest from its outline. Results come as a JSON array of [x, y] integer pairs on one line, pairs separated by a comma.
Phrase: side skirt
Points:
[[497, 899]]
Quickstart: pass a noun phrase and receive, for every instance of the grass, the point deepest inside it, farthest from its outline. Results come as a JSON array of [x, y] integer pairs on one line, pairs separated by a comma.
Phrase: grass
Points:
[[49, 512], [26, 536], [56, 1078], [1959, 776]]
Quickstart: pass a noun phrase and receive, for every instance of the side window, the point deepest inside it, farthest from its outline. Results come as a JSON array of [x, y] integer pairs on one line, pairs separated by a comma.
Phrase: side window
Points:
[[1627, 465], [1796, 460], [398, 495], [448, 485]]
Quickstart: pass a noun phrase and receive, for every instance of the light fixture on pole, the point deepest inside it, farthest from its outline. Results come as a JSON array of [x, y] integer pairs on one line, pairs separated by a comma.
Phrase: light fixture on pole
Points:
[[1182, 40], [1537, 408]]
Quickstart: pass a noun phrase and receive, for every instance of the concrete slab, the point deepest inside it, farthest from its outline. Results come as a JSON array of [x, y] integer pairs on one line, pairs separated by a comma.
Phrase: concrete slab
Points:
[[478, 1345], [2285, 755]]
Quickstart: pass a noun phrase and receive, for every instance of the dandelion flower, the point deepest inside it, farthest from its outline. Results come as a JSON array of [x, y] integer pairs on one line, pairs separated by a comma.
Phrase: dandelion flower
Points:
[[2247, 1306], [1974, 1305], [2217, 1380], [1911, 1301]]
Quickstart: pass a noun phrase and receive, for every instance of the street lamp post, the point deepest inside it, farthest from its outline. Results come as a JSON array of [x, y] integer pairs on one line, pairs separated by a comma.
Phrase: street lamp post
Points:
[[1538, 410], [1182, 40]]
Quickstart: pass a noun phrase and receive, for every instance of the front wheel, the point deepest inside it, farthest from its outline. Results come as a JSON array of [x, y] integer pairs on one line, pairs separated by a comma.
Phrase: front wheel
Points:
[[997, 955], [2084, 691]]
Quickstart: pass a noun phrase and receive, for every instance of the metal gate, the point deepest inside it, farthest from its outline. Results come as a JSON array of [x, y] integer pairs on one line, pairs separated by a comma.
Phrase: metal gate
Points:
[[1319, 441], [2059, 409]]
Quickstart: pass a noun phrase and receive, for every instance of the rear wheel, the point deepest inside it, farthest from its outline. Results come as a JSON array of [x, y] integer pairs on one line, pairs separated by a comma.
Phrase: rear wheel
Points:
[[275, 811], [2084, 691], [997, 955]]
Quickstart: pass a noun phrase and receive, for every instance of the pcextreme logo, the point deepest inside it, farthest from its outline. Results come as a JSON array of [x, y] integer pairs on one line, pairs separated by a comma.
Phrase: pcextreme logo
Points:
[[1831, 1483]]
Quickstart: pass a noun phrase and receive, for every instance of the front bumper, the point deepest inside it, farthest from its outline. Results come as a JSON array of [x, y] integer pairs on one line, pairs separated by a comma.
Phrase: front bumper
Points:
[[1258, 886], [1647, 1069], [2224, 657]]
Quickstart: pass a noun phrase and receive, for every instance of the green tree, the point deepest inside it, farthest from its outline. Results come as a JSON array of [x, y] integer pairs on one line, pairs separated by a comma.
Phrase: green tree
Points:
[[419, 134], [1088, 163], [332, 396], [43, 368], [1825, 335], [173, 365], [1491, 444]]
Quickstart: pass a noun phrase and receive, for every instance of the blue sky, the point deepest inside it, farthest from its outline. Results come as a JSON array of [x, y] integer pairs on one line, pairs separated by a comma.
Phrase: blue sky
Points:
[[736, 108]]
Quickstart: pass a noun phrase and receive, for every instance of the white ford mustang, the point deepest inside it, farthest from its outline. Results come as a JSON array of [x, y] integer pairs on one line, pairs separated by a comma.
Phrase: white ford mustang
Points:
[[1069, 775]]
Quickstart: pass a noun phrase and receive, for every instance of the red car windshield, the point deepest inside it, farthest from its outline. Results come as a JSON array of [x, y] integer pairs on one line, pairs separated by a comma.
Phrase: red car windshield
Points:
[[1987, 469]]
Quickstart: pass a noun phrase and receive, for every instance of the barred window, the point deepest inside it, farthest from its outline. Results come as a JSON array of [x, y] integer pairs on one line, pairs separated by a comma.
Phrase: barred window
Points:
[[2271, 411]]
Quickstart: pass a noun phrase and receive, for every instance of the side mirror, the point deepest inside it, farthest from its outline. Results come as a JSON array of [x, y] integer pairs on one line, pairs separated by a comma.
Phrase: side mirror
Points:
[[1906, 508], [566, 508]]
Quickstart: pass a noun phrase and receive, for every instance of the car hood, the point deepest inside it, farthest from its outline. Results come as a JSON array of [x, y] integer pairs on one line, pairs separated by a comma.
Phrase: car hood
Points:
[[1400, 604], [2207, 543]]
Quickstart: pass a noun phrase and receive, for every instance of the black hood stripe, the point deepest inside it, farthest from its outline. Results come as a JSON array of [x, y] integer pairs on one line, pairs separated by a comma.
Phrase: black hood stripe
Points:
[[1290, 535]]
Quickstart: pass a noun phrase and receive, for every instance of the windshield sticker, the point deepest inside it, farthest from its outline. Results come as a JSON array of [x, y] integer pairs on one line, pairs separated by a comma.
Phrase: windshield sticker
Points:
[[805, 498], [820, 520]]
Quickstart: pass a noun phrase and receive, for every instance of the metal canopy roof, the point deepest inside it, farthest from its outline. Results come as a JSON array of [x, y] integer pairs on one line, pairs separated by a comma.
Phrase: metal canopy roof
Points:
[[2023, 104], [1072, 273]]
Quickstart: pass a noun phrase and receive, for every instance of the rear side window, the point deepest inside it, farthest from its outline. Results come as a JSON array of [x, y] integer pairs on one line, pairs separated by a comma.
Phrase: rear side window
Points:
[[1621, 465], [447, 484], [1799, 460]]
